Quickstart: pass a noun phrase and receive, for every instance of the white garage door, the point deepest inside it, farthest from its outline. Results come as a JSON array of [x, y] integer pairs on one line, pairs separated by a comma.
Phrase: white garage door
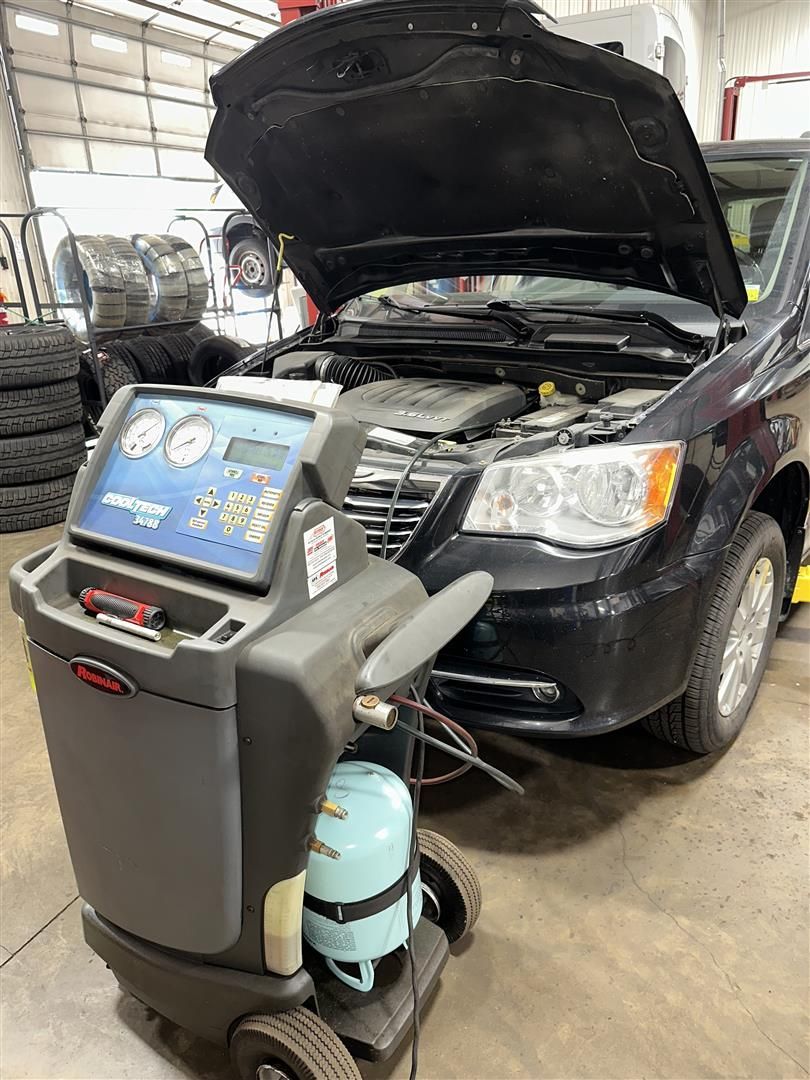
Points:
[[102, 93]]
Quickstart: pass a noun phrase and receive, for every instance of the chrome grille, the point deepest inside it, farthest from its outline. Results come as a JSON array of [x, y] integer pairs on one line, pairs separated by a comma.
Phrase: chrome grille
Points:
[[370, 505]]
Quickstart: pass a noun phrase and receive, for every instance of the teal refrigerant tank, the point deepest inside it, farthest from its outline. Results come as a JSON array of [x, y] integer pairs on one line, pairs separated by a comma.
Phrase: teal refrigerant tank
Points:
[[355, 903]]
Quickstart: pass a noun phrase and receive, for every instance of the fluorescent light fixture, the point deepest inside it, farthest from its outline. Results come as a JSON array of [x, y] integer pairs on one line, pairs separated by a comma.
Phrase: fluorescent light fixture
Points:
[[36, 26], [111, 44], [176, 59]]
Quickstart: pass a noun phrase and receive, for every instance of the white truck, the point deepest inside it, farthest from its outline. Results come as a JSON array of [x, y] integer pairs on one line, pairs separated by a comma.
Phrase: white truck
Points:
[[645, 33]]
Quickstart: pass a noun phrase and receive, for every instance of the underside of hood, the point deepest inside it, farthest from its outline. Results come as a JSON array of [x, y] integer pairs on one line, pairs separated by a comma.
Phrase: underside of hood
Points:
[[397, 140]]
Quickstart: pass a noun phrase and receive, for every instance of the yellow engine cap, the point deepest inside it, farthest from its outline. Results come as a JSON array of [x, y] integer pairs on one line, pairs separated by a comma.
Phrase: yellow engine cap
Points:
[[547, 388]]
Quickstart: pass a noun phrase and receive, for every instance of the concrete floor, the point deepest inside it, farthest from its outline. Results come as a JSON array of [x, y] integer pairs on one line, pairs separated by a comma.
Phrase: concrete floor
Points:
[[645, 912]]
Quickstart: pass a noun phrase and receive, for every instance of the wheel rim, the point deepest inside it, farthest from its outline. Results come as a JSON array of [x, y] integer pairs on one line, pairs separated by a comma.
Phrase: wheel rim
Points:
[[431, 906], [272, 1072], [746, 637], [253, 269]]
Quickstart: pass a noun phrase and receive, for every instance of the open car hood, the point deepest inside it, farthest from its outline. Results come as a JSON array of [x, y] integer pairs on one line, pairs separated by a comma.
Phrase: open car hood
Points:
[[398, 140]]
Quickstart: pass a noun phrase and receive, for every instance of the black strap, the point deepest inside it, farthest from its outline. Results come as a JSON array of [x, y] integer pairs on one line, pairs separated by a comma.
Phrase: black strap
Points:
[[362, 909]]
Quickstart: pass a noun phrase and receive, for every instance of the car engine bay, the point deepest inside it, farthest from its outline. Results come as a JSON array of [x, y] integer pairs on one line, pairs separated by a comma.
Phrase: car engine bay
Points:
[[479, 420]]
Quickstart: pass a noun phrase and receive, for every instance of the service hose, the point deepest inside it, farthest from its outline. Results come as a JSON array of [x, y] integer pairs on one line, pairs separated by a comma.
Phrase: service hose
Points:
[[470, 759]]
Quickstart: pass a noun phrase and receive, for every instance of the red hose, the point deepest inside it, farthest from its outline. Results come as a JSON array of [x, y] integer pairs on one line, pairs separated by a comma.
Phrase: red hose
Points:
[[432, 781]]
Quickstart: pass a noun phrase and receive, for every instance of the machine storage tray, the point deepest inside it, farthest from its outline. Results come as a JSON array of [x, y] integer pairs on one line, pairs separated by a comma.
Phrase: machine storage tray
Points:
[[149, 794]]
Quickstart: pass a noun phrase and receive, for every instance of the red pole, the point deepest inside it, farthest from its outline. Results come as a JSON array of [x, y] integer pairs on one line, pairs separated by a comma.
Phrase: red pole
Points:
[[728, 123], [290, 10], [731, 96]]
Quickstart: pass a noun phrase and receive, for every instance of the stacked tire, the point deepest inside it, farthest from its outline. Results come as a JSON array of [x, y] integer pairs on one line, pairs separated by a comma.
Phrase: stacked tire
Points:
[[41, 433], [136, 283], [196, 277], [164, 268], [143, 359], [103, 280], [129, 281]]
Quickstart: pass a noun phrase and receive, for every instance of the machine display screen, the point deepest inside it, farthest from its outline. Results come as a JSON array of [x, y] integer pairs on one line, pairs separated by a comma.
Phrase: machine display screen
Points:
[[263, 455], [199, 479]]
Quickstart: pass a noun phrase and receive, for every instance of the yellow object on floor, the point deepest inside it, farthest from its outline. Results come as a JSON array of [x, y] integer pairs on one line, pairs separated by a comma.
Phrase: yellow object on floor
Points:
[[802, 590]]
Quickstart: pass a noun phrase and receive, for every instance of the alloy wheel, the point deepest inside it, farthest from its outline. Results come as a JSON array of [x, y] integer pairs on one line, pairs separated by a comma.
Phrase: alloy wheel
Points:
[[747, 634]]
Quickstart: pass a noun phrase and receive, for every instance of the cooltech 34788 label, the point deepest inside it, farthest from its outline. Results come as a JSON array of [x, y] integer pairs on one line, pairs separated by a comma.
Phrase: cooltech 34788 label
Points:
[[146, 514]]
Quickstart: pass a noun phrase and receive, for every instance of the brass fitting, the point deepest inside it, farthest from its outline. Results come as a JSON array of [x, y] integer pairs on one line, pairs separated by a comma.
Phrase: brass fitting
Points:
[[320, 848], [326, 806]]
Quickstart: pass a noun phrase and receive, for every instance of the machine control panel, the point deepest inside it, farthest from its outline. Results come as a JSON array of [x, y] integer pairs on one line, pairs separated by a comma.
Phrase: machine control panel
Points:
[[198, 478]]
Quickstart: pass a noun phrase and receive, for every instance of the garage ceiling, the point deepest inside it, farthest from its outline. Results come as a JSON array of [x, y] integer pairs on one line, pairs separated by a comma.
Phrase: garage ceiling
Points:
[[234, 24]]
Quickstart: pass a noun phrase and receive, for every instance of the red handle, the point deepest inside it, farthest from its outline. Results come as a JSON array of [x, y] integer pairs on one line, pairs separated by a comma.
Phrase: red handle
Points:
[[98, 601]]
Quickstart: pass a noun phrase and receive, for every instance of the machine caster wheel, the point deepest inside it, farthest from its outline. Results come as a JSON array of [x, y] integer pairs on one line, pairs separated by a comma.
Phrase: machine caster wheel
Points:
[[451, 891], [294, 1045]]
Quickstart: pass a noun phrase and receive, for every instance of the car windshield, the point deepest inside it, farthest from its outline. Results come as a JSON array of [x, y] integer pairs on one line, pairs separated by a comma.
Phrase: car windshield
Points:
[[759, 198]]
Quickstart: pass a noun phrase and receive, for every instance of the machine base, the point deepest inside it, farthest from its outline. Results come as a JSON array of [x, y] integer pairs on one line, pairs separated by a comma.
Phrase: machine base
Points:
[[207, 1000], [202, 998], [373, 1025]]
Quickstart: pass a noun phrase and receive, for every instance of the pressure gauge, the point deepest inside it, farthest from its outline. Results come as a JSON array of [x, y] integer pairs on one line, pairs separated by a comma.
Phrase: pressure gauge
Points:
[[142, 432], [188, 441]]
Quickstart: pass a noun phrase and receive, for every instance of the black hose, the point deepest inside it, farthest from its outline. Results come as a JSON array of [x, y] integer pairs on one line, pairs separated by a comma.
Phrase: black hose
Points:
[[350, 373], [406, 472]]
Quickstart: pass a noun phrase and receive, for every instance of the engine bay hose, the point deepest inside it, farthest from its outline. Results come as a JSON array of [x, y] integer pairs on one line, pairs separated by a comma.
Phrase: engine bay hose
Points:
[[350, 373]]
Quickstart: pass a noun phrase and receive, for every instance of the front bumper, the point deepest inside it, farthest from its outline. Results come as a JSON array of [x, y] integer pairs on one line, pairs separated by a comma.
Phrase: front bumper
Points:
[[616, 648]]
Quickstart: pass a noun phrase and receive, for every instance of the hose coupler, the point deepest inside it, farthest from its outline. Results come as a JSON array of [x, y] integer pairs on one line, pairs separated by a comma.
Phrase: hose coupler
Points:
[[368, 709]]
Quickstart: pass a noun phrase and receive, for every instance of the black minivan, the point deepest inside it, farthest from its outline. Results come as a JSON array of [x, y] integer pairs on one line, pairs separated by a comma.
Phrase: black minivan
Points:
[[579, 344]]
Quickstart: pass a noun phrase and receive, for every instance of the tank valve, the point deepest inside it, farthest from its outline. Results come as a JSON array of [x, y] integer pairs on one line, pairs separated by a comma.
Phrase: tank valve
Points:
[[320, 848], [368, 709], [326, 806]]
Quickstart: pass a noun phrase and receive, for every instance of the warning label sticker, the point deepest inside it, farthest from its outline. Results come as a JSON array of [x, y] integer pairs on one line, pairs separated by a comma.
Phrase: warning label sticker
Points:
[[321, 556]]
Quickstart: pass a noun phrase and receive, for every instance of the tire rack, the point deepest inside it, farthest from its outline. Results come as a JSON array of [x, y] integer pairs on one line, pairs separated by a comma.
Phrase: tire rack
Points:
[[25, 221], [94, 337]]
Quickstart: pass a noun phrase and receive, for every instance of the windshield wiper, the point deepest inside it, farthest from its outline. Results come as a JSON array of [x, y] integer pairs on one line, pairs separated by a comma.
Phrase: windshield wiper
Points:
[[648, 318], [518, 327], [508, 313]]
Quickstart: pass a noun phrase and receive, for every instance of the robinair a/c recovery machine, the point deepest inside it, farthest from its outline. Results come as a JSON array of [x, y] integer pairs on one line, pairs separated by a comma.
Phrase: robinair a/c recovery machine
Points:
[[215, 657]]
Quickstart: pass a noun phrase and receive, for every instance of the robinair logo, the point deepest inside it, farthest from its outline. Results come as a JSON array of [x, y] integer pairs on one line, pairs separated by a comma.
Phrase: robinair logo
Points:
[[103, 678], [146, 514]]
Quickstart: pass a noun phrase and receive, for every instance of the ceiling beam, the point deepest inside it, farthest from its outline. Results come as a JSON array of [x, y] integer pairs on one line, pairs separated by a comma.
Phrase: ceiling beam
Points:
[[244, 12], [198, 20]]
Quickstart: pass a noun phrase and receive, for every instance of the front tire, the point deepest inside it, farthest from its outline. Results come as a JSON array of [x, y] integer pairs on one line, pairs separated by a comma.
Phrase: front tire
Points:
[[294, 1045], [734, 645]]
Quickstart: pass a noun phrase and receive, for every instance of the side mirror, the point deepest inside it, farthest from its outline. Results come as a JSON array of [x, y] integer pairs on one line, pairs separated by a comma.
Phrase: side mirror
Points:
[[421, 635]]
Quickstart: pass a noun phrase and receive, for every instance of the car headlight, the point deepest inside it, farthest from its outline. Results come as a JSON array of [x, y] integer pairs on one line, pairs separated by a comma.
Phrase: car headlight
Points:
[[584, 498]]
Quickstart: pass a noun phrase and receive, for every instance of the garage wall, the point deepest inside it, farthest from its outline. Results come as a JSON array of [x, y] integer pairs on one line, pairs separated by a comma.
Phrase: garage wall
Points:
[[13, 200], [761, 38]]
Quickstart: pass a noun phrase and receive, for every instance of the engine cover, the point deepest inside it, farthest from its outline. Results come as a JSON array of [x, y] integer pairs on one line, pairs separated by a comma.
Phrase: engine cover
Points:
[[432, 406]]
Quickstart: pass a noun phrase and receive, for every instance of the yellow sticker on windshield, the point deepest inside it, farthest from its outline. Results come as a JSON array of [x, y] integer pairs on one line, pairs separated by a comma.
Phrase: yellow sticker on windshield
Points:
[[753, 292]]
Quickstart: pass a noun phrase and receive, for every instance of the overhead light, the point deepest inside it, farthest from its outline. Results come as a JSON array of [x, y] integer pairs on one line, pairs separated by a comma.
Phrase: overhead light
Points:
[[36, 26], [176, 59], [111, 44]]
